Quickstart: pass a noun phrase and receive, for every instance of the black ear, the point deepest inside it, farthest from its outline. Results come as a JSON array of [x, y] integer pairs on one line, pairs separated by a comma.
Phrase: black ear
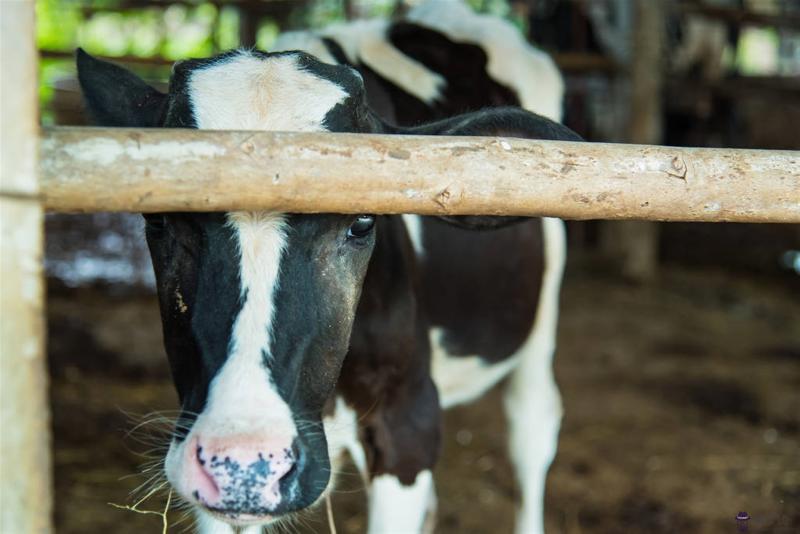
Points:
[[117, 97], [503, 122]]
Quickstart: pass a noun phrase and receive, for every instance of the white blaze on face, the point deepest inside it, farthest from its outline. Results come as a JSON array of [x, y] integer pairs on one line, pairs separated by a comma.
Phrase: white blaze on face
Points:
[[242, 397], [248, 92]]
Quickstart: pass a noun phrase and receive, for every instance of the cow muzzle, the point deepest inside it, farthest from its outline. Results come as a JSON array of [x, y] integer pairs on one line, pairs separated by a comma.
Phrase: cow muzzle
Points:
[[243, 479]]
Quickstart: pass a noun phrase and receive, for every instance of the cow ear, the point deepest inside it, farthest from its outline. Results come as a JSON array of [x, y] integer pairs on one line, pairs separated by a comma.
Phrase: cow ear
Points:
[[116, 97], [502, 122]]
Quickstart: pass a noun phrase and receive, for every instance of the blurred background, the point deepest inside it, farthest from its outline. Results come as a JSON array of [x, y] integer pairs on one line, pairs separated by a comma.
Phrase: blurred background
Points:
[[679, 347]]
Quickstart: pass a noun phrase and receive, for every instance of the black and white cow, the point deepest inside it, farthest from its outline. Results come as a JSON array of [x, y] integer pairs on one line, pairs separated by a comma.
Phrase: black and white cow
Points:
[[294, 337], [439, 60]]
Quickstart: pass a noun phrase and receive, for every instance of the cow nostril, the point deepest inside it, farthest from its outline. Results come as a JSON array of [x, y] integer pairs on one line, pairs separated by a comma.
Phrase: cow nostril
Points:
[[297, 459], [288, 475]]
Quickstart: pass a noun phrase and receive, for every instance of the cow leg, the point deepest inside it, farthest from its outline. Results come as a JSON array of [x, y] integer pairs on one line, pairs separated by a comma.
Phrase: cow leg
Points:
[[532, 400], [394, 507]]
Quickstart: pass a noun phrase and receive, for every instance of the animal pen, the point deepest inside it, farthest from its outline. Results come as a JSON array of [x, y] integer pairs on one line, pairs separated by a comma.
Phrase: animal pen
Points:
[[89, 169]]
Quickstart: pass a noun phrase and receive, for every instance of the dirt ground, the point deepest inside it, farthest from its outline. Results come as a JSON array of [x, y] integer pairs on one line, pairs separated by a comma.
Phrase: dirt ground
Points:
[[682, 408]]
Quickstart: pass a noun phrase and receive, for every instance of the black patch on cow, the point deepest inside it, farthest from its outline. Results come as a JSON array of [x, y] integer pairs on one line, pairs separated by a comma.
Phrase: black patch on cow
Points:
[[335, 50], [311, 328], [503, 270], [386, 375], [197, 267], [469, 86], [385, 98]]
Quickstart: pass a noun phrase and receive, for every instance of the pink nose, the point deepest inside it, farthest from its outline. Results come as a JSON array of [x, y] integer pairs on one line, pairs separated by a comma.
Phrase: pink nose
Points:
[[240, 474]]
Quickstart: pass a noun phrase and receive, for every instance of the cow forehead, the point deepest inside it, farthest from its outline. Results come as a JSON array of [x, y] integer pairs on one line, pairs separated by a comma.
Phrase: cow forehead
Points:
[[250, 91]]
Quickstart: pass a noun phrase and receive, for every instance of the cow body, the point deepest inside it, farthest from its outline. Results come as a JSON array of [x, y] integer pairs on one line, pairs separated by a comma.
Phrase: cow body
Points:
[[294, 337], [440, 60]]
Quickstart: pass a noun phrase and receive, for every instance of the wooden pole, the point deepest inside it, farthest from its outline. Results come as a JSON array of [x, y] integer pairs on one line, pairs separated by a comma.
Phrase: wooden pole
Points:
[[634, 244], [147, 170], [25, 480]]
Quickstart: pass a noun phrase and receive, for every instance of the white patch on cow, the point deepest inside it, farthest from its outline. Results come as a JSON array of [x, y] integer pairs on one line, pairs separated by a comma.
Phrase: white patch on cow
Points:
[[531, 73], [364, 41], [207, 524], [305, 40], [395, 508], [462, 379], [532, 400], [249, 92], [242, 397], [414, 228], [341, 431]]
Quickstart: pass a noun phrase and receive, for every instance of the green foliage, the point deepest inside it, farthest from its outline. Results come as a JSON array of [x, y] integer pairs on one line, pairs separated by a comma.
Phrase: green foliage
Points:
[[57, 24], [319, 14], [175, 32], [757, 53], [227, 31], [195, 28], [266, 35], [188, 32]]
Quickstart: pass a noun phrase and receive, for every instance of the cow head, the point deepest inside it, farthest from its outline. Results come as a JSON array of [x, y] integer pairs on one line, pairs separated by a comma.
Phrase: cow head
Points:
[[257, 308]]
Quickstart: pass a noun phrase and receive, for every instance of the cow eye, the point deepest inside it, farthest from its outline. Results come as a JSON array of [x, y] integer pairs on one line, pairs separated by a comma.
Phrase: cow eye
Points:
[[361, 227]]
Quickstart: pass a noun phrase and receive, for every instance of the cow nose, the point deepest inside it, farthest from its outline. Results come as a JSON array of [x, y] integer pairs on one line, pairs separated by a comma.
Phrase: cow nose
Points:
[[243, 475]]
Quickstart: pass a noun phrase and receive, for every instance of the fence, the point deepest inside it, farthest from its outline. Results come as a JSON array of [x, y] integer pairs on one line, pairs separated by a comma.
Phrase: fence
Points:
[[87, 169]]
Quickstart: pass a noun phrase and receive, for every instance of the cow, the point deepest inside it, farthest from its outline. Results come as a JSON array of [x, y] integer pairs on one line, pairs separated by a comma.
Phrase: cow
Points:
[[294, 337], [439, 60]]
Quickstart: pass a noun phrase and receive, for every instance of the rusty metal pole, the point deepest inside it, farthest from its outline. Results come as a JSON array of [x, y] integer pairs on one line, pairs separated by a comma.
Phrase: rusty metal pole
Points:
[[25, 471]]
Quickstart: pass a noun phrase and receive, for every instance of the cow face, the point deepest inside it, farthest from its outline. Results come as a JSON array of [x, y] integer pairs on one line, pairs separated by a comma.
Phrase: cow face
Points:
[[257, 308]]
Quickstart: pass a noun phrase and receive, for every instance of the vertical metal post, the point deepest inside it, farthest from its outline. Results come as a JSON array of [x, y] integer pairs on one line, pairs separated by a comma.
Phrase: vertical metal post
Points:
[[25, 465]]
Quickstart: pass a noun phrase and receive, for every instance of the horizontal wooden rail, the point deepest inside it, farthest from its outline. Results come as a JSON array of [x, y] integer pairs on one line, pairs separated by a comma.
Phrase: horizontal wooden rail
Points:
[[93, 169]]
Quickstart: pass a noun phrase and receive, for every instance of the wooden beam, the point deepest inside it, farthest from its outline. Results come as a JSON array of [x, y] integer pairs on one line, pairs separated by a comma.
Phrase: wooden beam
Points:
[[582, 62], [25, 484], [130, 60], [634, 244], [148, 170], [742, 17], [569, 62]]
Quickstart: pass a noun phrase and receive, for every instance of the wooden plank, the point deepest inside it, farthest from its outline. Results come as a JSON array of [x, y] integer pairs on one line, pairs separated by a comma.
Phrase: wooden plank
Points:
[[148, 170], [569, 62], [25, 485]]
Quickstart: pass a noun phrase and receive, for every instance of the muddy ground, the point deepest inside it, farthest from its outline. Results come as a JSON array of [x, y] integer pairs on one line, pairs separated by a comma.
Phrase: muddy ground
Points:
[[682, 408]]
